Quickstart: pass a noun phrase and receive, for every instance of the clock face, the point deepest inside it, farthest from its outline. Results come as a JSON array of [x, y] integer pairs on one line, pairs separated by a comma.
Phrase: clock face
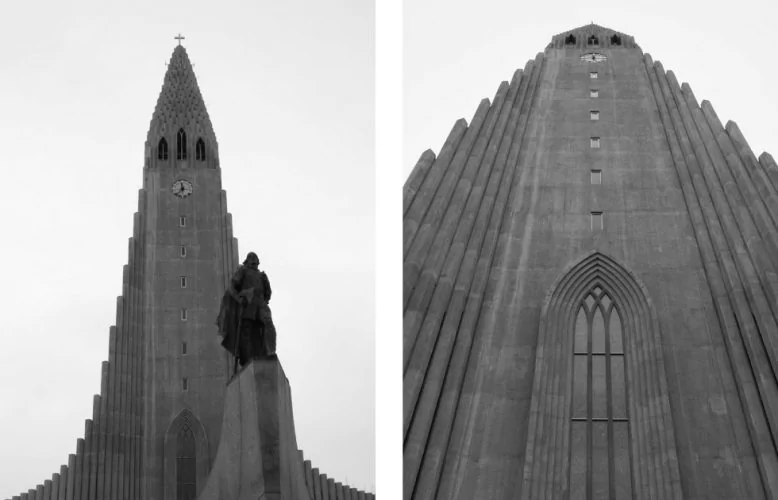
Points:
[[181, 188], [593, 57]]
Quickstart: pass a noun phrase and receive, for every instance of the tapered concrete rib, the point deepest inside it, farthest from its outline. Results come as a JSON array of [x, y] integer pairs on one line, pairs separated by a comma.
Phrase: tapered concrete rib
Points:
[[78, 469], [412, 185], [481, 195], [427, 191], [770, 168], [755, 310], [417, 310], [68, 479], [428, 475], [758, 234], [477, 257], [488, 262], [47, 489], [713, 254], [761, 180], [416, 253]]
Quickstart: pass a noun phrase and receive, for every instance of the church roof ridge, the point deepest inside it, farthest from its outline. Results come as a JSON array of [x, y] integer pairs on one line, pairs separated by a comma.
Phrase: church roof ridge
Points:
[[180, 103]]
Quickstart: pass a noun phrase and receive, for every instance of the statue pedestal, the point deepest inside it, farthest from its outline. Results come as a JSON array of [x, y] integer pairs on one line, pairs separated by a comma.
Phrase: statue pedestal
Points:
[[257, 458]]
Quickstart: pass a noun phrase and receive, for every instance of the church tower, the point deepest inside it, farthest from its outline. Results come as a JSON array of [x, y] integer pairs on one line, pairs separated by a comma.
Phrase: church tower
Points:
[[591, 291], [165, 404], [185, 262]]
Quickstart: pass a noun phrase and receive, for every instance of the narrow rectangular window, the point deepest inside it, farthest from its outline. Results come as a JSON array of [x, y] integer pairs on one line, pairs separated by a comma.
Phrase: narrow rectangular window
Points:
[[596, 221], [600, 465], [183, 281], [183, 347], [596, 177], [578, 461], [594, 93], [594, 115], [593, 75], [185, 384], [183, 314], [182, 221], [183, 251], [594, 142]]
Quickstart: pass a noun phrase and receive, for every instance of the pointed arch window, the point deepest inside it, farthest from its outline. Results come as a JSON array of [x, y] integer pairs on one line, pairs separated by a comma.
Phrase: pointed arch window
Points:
[[162, 149], [608, 379], [570, 39], [181, 144], [200, 150], [593, 40], [615, 40], [599, 455], [186, 465]]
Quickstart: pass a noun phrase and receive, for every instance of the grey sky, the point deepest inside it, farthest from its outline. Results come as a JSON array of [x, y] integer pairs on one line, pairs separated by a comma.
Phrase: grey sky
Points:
[[457, 52], [289, 90]]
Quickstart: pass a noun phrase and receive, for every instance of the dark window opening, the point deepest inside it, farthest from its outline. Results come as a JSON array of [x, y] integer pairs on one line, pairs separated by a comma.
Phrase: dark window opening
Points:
[[200, 150], [185, 384], [599, 453], [183, 251], [593, 40], [181, 145], [182, 221], [183, 314], [162, 149], [183, 281], [183, 347], [615, 40], [186, 464], [570, 39]]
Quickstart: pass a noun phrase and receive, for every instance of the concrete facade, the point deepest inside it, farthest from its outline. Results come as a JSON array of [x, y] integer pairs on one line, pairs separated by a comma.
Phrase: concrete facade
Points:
[[500, 247], [165, 378]]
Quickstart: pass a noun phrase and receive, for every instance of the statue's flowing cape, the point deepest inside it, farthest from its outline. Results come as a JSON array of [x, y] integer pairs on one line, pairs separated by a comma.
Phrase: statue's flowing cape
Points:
[[228, 321]]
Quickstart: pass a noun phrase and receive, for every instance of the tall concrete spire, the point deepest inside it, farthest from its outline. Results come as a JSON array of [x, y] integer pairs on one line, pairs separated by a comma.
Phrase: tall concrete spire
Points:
[[180, 105]]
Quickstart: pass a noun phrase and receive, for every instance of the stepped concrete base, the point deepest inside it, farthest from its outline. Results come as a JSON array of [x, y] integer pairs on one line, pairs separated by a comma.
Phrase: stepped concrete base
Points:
[[257, 458]]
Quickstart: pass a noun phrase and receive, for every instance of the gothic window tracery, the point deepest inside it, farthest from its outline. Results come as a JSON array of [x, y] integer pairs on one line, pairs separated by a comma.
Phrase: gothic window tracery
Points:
[[570, 39], [186, 466], [181, 144], [162, 149], [615, 40], [593, 40], [599, 452], [200, 150]]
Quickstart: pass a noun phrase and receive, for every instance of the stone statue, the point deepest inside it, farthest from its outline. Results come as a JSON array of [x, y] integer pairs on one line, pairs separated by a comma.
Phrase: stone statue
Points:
[[245, 323]]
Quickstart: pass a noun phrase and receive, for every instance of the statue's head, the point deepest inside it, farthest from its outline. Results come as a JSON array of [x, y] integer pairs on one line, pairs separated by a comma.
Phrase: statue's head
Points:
[[251, 261]]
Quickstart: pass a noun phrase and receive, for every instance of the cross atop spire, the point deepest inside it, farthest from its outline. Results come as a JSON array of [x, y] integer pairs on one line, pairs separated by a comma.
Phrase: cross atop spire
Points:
[[179, 38]]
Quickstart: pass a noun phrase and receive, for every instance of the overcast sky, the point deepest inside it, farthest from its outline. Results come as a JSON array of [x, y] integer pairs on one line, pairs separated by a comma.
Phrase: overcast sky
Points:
[[457, 52], [289, 87]]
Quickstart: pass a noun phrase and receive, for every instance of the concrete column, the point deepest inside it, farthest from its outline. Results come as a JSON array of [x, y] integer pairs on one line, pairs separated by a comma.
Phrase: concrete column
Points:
[[754, 307], [70, 477], [323, 487], [308, 477], [498, 132], [414, 181], [758, 175], [713, 251], [768, 165], [418, 252], [47, 489], [316, 484], [453, 401], [339, 492], [430, 298], [418, 208], [54, 486], [331, 489]]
